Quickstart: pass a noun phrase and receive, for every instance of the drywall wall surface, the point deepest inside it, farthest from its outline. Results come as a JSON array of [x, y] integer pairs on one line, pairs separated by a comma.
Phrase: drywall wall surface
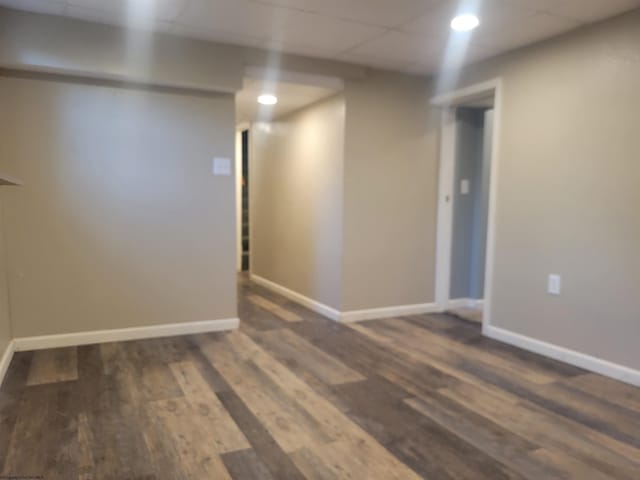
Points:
[[390, 192], [296, 188], [120, 222], [568, 196]]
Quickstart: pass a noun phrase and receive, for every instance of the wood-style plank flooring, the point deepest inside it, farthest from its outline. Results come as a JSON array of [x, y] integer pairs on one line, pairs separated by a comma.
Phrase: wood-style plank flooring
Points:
[[292, 395]]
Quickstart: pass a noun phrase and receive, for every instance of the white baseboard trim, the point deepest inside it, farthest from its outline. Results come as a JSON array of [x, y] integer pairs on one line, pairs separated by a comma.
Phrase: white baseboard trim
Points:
[[123, 334], [6, 360], [593, 364], [465, 303], [386, 312], [311, 304], [348, 316]]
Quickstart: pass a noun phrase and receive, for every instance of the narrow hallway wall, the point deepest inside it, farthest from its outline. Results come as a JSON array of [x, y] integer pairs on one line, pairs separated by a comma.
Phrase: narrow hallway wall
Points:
[[296, 200], [391, 171]]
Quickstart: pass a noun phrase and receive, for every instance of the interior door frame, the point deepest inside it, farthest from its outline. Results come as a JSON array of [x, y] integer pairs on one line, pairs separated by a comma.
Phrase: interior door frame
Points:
[[448, 102], [241, 127]]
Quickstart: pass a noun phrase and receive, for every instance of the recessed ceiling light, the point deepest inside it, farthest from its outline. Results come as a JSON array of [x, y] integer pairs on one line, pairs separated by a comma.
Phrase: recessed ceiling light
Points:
[[465, 23], [267, 99]]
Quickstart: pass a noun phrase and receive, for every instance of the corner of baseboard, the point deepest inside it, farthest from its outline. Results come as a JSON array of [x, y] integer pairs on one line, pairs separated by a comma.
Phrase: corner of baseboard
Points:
[[346, 316], [292, 295], [562, 354]]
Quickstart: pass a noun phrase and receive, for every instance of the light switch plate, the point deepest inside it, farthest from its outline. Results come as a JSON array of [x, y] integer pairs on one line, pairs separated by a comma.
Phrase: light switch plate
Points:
[[554, 284], [222, 166], [465, 187]]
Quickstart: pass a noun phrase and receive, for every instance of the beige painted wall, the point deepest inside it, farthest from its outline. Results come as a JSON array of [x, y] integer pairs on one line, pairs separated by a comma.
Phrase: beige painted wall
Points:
[[120, 222], [567, 199], [295, 183], [569, 190], [390, 192], [5, 323]]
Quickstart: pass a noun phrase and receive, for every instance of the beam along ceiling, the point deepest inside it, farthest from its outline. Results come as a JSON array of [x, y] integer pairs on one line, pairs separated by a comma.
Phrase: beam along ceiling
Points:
[[403, 35]]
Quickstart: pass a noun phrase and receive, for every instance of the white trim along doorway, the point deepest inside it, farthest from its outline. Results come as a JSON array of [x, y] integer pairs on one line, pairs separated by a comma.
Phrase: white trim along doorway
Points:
[[448, 103]]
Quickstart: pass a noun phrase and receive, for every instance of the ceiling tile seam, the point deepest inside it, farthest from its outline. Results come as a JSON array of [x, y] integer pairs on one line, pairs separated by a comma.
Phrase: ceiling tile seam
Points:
[[311, 12], [221, 36], [68, 5], [502, 49], [364, 42], [228, 36], [175, 21], [531, 14], [552, 13], [429, 38], [380, 62], [423, 13], [401, 27], [386, 30], [325, 15], [211, 34], [532, 11], [178, 21], [480, 43]]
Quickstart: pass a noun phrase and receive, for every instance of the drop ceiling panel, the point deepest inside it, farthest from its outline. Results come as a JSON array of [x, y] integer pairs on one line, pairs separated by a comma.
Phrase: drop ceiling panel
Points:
[[493, 14], [375, 61], [291, 97], [453, 55], [50, 7], [134, 10], [281, 28], [332, 35], [406, 35], [292, 47], [399, 46], [532, 29], [118, 18], [240, 17], [385, 13], [581, 10], [217, 35]]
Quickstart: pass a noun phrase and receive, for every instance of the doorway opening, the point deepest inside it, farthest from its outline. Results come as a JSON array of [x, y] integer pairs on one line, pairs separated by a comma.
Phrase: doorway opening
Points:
[[284, 122], [244, 146], [466, 204], [470, 203]]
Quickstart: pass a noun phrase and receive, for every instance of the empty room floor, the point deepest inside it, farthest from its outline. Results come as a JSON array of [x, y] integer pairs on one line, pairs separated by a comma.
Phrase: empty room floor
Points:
[[292, 395]]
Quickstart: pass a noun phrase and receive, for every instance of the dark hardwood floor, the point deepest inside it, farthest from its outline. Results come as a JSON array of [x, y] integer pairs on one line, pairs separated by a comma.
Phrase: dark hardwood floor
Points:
[[292, 395]]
